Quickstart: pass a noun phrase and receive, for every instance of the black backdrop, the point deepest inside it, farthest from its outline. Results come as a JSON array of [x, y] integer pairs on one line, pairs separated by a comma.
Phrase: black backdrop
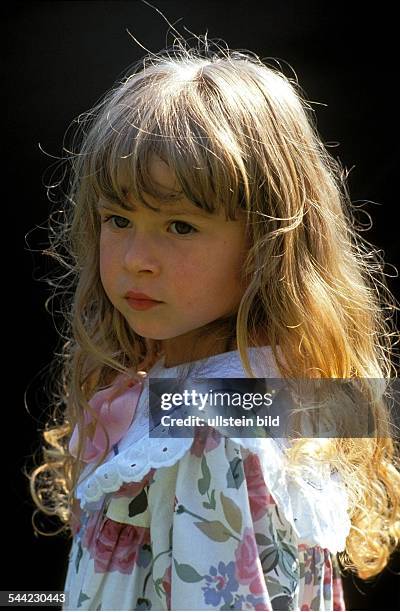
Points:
[[58, 59]]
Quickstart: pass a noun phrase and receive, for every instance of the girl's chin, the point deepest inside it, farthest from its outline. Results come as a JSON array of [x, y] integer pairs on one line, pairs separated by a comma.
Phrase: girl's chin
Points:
[[153, 334]]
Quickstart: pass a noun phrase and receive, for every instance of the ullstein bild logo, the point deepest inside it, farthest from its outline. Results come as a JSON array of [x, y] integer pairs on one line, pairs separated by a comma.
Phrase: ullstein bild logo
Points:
[[273, 407], [219, 421]]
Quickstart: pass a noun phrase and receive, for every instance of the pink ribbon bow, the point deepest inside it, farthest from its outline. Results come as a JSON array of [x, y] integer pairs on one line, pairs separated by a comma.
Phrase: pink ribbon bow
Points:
[[115, 408]]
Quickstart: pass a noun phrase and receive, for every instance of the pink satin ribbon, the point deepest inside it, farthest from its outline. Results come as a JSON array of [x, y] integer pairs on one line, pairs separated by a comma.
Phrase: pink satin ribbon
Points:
[[115, 408]]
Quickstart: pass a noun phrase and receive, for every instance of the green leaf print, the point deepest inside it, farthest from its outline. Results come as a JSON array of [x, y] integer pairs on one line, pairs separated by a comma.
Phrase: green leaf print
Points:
[[78, 557], [138, 505], [269, 559], [232, 513], [289, 562], [82, 597], [204, 482], [187, 573], [235, 474], [283, 602], [275, 588], [272, 580], [211, 505], [263, 540], [215, 530], [158, 587]]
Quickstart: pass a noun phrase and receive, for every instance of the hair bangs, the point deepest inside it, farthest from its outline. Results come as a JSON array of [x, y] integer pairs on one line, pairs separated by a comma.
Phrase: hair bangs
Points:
[[129, 134]]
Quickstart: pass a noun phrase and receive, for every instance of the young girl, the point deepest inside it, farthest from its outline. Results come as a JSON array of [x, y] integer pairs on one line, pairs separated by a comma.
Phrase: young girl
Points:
[[211, 236]]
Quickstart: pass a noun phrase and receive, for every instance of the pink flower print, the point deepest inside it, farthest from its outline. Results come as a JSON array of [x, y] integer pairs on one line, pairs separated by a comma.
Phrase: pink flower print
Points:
[[338, 596], [327, 568], [248, 566], [114, 546], [166, 582], [132, 489], [259, 496], [205, 440]]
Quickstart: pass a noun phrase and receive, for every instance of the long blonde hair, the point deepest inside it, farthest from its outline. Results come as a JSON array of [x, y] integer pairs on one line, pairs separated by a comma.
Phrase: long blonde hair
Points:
[[238, 133]]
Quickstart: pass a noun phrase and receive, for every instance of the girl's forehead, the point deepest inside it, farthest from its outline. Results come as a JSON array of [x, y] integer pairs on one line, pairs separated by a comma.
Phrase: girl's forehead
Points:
[[161, 174]]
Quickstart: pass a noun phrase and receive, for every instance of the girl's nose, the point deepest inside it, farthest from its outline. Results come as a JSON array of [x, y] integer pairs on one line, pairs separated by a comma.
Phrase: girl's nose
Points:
[[141, 254]]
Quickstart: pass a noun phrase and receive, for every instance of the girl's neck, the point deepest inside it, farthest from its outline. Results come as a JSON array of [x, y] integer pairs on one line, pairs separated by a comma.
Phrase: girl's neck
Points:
[[196, 346], [195, 350]]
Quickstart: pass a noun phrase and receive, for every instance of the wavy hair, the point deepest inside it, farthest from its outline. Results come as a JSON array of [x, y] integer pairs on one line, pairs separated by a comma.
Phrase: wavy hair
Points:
[[238, 134]]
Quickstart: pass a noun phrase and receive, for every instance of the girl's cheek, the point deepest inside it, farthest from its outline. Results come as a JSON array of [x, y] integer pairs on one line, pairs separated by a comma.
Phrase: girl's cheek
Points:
[[182, 270], [111, 251], [105, 262], [108, 269]]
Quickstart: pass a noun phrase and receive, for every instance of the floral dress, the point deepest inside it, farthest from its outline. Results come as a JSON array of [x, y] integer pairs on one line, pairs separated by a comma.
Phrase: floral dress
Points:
[[208, 523]]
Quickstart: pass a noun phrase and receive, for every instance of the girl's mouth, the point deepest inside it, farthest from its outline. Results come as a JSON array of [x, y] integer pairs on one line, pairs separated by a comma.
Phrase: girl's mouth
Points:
[[137, 304]]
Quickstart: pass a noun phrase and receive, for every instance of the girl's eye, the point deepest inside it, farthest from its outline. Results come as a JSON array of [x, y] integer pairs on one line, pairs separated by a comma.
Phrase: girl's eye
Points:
[[186, 226], [113, 217]]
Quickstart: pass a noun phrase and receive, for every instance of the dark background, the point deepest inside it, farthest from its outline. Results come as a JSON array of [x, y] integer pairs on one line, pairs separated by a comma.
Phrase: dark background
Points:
[[58, 59]]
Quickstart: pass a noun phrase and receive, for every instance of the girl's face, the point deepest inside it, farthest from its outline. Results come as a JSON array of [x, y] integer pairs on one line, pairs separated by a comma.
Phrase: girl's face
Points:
[[188, 260]]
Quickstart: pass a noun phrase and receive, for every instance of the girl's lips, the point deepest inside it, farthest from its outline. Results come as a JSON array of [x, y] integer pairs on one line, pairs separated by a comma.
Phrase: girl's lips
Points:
[[142, 304], [137, 295]]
